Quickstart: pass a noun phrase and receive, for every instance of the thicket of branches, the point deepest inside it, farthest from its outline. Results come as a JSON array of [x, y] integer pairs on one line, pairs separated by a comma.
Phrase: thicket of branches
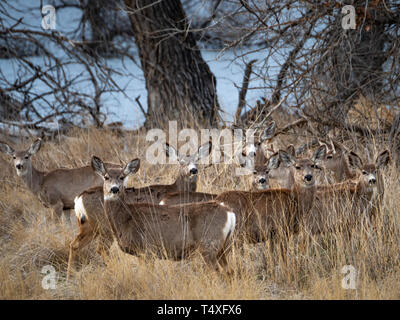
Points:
[[310, 64], [49, 59]]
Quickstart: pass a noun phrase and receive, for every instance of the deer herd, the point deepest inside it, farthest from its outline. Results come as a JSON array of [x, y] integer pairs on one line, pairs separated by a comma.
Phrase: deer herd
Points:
[[172, 221]]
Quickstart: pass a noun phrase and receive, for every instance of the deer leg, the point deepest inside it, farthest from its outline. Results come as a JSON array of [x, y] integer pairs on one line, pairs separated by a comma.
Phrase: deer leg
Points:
[[211, 256], [84, 237], [105, 241], [57, 211], [223, 262], [67, 215]]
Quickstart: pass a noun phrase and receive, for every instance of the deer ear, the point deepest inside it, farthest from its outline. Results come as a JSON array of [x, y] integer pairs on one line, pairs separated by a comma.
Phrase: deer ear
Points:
[[5, 148], [247, 164], [286, 158], [320, 153], [240, 159], [170, 151], [204, 150], [132, 167], [383, 159], [35, 147], [354, 160], [273, 162], [269, 132], [291, 150], [98, 166]]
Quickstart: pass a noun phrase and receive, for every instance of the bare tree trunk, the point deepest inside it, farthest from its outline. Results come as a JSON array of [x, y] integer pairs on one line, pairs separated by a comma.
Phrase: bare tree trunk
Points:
[[179, 83], [358, 58]]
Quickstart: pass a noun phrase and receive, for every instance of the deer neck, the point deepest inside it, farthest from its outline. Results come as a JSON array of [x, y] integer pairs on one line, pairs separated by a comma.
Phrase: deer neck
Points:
[[186, 183], [117, 213], [33, 179], [345, 173], [368, 191], [305, 197], [364, 194]]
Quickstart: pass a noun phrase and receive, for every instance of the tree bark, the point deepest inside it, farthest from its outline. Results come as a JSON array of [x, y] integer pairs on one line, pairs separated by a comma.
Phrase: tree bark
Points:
[[179, 83]]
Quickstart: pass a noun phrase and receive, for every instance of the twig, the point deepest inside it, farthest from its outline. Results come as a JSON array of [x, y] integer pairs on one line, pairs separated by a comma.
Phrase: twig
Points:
[[243, 90]]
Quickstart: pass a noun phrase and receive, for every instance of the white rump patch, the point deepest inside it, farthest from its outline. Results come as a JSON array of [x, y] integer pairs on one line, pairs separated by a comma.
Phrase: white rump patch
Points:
[[230, 224], [80, 209], [161, 203]]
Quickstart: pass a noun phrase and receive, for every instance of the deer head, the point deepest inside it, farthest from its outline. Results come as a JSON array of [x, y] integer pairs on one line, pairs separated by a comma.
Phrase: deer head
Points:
[[114, 179], [22, 158]]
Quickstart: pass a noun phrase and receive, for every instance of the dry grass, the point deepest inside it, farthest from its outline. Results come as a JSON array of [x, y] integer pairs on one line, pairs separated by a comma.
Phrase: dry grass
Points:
[[29, 241]]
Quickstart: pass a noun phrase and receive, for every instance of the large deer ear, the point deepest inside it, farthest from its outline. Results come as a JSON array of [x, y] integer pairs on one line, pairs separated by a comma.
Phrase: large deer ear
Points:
[[338, 147], [5, 148], [247, 163], [98, 166], [320, 153], [240, 159], [383, 159], [291, 150], [204, 151], [355, 161], [286, 158], [35, 147], [171, 151], [273, 161], [269, 132], [132, 167]]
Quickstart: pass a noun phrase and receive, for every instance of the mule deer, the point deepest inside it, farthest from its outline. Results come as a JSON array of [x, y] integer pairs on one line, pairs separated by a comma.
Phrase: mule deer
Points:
[[364, 196], [173, 232], [89, 205], [255, 150], [259, 173], [175, 198], [55, 189], [262, 214], [336, 162], [259, 176]]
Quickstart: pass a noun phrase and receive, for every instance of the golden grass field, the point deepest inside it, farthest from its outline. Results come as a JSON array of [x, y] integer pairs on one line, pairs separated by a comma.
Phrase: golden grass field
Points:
[[29, 240]]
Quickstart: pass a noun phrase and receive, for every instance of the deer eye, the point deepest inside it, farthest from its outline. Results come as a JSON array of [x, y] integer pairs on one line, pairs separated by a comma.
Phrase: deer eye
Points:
[[14, 157], [254, 172], [121, 178], [364, 172], [298, 167], [106, 178], [26, 157], [329, 157]]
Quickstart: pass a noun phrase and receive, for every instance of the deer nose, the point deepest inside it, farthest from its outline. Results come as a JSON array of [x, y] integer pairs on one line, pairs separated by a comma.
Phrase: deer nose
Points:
[[308, 177], [193, 171], [372, 180], [19, 166], [114, 190], [262, 180], [252, 154]]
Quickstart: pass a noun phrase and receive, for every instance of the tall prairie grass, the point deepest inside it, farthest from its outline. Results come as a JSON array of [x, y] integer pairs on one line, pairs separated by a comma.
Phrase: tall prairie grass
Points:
[[30, 240]]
